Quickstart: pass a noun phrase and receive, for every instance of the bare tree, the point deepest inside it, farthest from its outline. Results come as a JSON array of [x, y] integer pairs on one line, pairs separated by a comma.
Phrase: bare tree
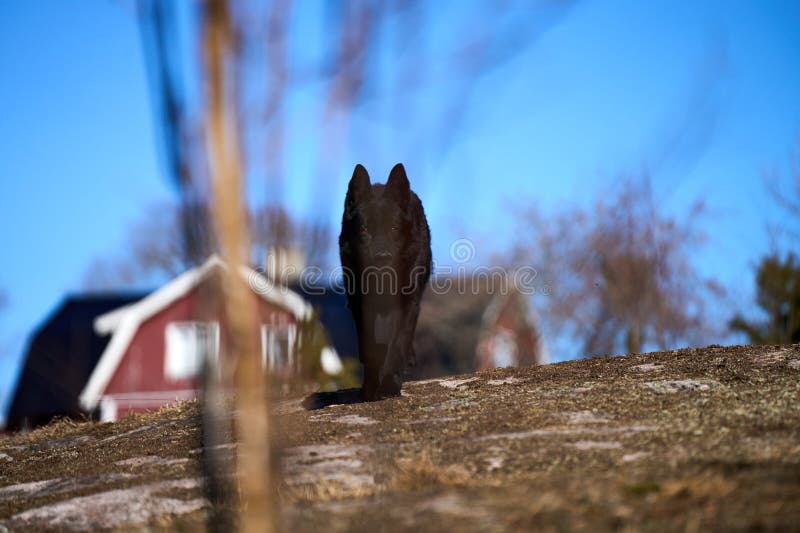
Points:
[[155, 249], [621, 274], [273, 226]]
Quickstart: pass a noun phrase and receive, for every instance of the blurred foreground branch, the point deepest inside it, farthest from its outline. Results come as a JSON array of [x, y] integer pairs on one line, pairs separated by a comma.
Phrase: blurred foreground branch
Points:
[[241, 346]]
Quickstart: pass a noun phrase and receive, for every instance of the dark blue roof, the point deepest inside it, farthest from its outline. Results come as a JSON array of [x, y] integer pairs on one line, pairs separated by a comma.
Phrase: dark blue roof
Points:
[[61, 355], [331, 304]]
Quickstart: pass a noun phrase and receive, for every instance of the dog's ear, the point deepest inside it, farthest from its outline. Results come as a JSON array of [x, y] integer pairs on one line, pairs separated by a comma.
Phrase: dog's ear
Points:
[[398, 185], [359, 188]]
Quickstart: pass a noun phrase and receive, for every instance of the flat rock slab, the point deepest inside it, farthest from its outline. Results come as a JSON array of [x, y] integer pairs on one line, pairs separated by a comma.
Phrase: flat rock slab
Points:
[[698, 439], [648, 367], [111, 509], [681, 385], [352, 420], [151, 461], [506, 381], [456, 383], [344, 465]]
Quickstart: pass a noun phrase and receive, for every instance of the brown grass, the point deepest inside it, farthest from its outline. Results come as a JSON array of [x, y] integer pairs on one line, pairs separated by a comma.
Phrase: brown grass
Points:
[[420, 472], [325, 491], [705, 486], [57, 428]]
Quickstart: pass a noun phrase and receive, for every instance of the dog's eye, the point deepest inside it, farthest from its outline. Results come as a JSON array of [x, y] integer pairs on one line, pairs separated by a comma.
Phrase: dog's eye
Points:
[[395, 228]]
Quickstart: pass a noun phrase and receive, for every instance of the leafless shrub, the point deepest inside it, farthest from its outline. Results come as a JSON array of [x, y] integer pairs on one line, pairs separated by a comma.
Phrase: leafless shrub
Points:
[[621, 273], [155, 247]]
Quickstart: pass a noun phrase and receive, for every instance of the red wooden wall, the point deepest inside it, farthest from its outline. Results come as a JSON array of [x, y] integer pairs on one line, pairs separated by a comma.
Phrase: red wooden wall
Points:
[[139, 382]]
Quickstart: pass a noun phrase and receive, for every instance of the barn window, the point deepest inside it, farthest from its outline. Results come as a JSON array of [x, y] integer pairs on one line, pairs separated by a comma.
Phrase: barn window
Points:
[[277, 346], [188, 344]]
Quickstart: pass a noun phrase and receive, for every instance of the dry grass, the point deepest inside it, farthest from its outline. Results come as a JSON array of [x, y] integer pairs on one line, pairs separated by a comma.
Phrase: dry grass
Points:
[[705, 486], [325, 491], [420, 472], [58, 428]]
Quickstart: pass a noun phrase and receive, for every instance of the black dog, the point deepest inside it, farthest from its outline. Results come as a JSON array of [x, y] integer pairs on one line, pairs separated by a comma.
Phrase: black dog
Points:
[[385, 247]]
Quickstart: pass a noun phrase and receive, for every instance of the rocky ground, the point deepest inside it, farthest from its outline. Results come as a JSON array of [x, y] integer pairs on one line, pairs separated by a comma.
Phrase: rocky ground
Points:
[[698, 439]]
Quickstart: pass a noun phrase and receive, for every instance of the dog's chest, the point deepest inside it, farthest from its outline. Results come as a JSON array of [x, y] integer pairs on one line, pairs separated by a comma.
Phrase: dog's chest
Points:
[[384, 326]]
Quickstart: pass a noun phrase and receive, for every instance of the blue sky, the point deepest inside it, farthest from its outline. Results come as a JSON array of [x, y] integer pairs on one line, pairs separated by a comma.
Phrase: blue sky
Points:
[[705, 96]]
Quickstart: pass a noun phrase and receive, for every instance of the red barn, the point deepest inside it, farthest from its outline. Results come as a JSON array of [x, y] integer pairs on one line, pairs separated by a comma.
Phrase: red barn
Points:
[[477, 324], [509, 334], [158, 344]]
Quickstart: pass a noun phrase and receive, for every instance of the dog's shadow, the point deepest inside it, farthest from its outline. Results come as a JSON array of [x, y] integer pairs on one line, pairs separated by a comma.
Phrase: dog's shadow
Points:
[[319, 400]]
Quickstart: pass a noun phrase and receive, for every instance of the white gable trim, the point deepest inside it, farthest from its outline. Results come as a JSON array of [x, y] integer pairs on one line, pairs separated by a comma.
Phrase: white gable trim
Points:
[[159, 299], [109, 361], [108, 322], [125, 321], [280, 296]]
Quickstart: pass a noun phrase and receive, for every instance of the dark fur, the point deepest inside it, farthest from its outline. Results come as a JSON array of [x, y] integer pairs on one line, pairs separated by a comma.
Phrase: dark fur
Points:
[[384, 230]]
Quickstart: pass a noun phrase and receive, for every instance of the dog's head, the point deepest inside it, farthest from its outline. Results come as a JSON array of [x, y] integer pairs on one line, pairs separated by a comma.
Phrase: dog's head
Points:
[[378, 215]]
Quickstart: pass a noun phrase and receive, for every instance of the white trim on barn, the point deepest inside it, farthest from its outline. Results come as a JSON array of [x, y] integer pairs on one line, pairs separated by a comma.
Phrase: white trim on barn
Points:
[[124, 322], [185, 282]]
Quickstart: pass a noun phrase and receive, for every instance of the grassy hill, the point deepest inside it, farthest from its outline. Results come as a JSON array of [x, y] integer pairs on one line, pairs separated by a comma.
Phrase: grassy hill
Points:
[[683, 440]]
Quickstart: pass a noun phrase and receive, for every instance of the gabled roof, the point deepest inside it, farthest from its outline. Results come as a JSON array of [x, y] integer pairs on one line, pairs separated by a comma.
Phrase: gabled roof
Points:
[[125, 321]]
